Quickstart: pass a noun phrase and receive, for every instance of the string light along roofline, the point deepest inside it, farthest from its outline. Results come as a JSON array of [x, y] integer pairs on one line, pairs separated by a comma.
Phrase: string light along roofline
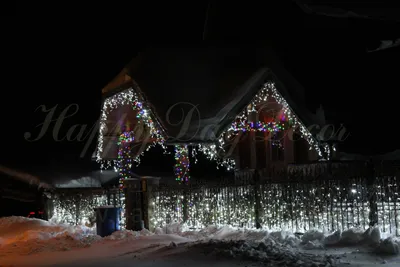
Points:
[[266, 91], [130, 96], [144, 114]]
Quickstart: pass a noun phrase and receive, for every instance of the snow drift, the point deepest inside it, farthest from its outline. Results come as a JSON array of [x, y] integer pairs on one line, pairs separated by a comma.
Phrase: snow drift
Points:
[[25, 236], [29, 235]]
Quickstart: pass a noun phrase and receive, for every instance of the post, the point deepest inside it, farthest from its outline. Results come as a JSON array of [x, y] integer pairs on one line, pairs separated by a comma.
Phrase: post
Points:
[[148, 209], [252, 117], [288, 146], [372, 198], [133, 204], [108, 197], [185, 209], [253, 153], [268, 150], [257, 207]]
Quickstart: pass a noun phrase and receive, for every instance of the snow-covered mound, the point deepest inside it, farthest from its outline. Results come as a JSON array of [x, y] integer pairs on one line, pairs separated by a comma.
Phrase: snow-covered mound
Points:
[[310, 240], [29, 235], [11, 226], [23, 236], [268, 251]]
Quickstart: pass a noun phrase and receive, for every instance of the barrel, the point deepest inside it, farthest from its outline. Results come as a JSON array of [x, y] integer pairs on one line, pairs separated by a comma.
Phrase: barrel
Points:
[[107, 220]]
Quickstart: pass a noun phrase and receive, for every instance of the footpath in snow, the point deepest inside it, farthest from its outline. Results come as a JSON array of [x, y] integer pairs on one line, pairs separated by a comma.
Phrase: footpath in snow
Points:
[[33, 242]]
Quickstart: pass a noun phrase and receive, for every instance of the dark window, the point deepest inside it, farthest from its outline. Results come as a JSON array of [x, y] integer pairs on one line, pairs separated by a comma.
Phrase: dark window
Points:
[[277, 147], [261, 150]]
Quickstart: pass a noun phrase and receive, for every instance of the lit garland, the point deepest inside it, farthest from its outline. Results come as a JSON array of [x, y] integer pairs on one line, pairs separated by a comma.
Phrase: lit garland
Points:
[[212, 153], [241, 123], [127, 97], [329, 206], [258, 126], [125, 159], [182, 165], [212, 150], [76, 209]]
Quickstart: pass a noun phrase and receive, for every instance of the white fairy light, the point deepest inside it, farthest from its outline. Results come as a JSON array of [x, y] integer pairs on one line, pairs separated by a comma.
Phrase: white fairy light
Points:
[[282, 206], [65, 211], [211, 151], [127, 97]]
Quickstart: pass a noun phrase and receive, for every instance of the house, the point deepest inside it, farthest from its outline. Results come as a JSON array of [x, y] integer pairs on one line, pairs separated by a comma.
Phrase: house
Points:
[[68, 197], [236, 104], [21, 193]]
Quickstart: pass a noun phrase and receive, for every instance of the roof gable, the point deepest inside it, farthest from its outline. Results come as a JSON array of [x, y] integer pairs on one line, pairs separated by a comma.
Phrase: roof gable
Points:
[[212, 84]]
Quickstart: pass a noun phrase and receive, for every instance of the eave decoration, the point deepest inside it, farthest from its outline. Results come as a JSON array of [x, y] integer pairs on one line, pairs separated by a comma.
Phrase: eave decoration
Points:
[[182, 165], [211, 151], [242, 124], [144, 115]]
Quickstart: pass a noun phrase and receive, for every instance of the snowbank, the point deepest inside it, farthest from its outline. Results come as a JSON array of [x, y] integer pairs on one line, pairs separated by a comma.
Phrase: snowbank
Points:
[[29, 235], [310, 240], [25, 237]]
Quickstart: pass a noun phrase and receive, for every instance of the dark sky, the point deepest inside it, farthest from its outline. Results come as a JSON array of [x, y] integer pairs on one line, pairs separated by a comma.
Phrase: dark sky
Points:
[[62, 62]]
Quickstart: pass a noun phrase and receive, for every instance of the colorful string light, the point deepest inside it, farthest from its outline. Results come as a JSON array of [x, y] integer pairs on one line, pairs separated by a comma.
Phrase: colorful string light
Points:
[[182, 165], [125, 159], [241, 123], [258, 126], [213, 151], [128, 97]]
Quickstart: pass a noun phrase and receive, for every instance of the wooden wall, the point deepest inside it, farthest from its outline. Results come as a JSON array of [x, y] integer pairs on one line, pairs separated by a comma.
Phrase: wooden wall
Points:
[[269, 157]]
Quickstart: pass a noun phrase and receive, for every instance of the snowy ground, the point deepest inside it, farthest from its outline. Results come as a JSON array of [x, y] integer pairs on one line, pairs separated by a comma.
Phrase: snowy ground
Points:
[[32, 242]]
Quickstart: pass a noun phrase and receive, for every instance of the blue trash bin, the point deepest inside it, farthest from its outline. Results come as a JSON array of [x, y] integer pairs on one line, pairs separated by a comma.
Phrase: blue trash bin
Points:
[[107, 220]]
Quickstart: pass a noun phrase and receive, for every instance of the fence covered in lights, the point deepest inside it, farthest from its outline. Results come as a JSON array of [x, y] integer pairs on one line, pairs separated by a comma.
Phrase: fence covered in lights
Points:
[[326, 204], [77, 207]]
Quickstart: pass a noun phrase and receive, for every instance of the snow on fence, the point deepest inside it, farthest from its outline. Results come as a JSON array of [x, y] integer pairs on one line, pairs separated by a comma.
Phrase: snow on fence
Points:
[[298, 206]]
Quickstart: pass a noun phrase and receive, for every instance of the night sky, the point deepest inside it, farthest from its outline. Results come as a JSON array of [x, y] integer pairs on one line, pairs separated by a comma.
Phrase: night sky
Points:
[[62, 63]]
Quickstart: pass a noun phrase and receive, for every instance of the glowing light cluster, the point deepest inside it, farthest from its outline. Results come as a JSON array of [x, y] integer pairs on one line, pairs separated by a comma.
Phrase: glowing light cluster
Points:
[[125, 159], [127, 97], [79, 208], [76, 209], [258, 126], [241, 123], [182, 165], [212, 152], [329, 206], [269, 90]]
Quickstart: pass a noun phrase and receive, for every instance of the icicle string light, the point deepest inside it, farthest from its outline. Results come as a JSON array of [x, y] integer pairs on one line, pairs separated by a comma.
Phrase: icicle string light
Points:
[[241, 123], [65, 208], [182, 165], [79, 209], [127, 97], [326, 205]]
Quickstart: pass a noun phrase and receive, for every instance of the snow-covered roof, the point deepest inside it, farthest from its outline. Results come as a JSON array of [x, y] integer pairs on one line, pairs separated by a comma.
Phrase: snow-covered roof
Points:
[[81, 182], [218, 81], [95, 179]]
